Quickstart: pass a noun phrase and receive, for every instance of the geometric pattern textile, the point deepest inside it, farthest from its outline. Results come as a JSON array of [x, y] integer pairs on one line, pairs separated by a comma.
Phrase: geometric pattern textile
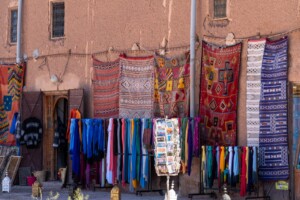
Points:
[[11, 84], [254, 63], [218, 93], [273, 135], [106, 88], [171, 86], [136, 87]]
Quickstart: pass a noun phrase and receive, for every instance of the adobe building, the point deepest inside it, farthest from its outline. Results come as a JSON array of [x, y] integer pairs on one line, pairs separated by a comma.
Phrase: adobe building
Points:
[[59, 37]]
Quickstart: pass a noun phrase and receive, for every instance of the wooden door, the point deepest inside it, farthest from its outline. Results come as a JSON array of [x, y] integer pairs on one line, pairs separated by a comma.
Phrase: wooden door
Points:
[[32, 106], [49, 153]]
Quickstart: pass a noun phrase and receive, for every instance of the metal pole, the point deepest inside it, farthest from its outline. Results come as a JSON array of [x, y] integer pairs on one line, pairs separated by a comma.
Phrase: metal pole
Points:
[[19, 32], [192, 57]]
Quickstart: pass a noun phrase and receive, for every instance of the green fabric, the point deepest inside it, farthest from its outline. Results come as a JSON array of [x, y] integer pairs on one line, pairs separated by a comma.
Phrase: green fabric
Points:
[[183, 135]]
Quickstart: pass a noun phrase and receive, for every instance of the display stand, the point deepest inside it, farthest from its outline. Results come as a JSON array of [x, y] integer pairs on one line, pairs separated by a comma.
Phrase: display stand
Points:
[[149, 185], [201, 188], [167, 145]]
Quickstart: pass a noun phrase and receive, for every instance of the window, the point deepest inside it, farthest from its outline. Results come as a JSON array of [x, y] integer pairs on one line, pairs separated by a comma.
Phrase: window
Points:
[[13, 25], [58, 20], [220, 9]]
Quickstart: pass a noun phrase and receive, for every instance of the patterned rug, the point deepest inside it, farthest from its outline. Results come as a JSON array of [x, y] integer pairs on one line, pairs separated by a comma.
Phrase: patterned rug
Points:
[[136, 87], [218, 93], [11, 82], [254, 63], [273, 138], [106, 88], [172, 86]]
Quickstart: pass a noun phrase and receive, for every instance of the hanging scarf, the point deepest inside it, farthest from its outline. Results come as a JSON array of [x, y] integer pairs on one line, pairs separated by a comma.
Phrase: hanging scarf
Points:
[[250, 169], [127, 151], [124, 150], [218, 161], [74, 148], [254, 164], [196, 136], [144, 166], [230, 175], [236, 170], [119, 161], [222, 166], [190, 145], [84, 138], [109, 177], [210, 177], [247, 159], [243, 173], [183, 142], [203, 166], [89, 124]]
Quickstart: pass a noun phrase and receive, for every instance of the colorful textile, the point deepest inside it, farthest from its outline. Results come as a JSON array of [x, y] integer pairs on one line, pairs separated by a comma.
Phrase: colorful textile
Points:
[[136, 87], [219, 92], [273, 138], [172, 86], [254, 63], [106, 88], [11, 83]]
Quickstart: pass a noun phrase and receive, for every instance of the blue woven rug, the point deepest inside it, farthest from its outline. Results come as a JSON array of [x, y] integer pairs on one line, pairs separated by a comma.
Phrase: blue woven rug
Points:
[[273, 138]]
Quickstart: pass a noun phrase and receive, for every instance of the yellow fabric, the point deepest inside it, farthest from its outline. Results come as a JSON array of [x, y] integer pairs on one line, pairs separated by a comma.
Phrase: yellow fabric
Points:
[[203, 164], [184, 162], [169, 86], [222, 159]]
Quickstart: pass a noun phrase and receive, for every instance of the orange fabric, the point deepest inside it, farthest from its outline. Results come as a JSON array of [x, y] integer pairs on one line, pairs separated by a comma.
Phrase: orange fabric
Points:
[[74, 113]]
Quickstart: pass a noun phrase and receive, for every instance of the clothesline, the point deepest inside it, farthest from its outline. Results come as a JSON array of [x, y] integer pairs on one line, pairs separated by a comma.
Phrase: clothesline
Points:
[[257, 35], [104, 52]]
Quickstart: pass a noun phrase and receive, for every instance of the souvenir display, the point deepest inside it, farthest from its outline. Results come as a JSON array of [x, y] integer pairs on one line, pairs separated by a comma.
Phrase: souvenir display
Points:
[[167, 147]]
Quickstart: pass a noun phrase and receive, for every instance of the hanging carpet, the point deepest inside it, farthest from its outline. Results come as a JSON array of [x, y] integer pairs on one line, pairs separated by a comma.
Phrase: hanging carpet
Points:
[[136, 87], [11, 83], [106, 88], [273, 138], [171, 86], [218, 93], [254, 63]]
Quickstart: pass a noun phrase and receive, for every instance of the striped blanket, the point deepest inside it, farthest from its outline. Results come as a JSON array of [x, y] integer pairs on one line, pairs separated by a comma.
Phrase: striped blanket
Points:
[[273, 138], [136, 87], [106, 88], [255, 56]]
